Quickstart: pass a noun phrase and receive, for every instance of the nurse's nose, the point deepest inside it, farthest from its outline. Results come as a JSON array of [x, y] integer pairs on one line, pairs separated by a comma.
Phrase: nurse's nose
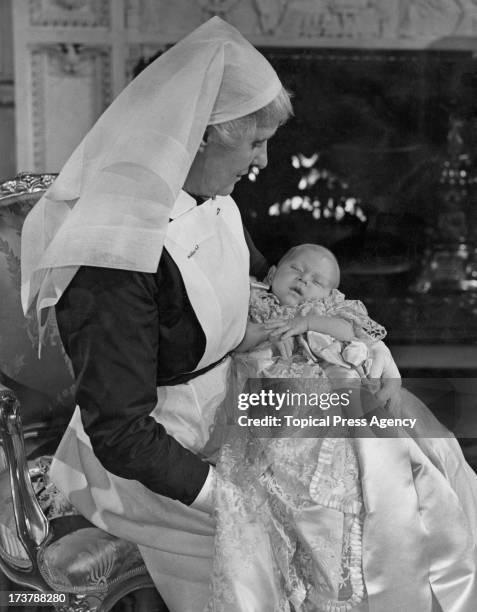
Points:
[[261, 159]]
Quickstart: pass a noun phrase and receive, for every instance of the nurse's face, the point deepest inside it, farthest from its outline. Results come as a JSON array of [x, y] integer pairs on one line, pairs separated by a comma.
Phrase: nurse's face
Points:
[[217, 168]]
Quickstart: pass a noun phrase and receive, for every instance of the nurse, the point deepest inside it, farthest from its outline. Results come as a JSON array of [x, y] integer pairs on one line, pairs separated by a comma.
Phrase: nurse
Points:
[[139, 251]]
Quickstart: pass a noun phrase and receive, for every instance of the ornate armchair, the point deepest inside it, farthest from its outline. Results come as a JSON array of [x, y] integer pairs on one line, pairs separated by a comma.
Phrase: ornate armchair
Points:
[[44, 546]]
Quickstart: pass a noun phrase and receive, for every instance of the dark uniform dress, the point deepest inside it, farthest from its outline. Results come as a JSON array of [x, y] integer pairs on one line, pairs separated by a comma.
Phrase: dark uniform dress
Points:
[[153, 338]]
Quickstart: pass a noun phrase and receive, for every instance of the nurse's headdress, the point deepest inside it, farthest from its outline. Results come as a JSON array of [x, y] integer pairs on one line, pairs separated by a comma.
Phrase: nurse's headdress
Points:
[[110, 205]]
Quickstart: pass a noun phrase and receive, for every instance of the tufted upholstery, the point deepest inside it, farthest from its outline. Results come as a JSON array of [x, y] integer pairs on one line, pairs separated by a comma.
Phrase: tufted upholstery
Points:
[[54, 549]]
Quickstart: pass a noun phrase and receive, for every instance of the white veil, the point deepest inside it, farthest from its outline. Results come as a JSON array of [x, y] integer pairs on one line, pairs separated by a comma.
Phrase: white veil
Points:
[[109, 206]]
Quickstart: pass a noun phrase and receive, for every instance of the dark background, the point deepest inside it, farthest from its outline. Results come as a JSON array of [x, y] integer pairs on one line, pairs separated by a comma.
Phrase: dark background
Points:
[[379, 121]]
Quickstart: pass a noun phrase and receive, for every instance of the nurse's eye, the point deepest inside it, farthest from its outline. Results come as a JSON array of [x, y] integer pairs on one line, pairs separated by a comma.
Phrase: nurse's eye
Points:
[[258, 143]]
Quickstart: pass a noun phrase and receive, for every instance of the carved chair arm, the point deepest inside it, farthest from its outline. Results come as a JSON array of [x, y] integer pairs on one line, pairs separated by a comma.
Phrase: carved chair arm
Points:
[[32, 525]]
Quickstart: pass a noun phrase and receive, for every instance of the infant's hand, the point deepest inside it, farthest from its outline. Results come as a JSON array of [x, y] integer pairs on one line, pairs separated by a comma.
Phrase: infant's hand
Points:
[[287, 329], [285, 347]]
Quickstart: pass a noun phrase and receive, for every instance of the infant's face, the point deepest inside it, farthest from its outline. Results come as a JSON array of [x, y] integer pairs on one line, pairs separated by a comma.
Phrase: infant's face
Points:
[[305, 275]]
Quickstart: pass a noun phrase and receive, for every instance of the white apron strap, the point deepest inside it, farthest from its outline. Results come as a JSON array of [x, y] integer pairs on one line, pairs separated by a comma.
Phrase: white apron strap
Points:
[[209, 248]]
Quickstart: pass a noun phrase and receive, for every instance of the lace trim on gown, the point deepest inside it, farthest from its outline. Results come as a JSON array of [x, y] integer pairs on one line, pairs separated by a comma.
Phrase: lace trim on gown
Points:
[[265, 306], [289, 526]]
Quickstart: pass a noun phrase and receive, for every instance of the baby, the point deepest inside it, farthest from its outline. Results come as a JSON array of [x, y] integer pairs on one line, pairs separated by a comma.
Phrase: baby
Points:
[[302, 329], [320, 520], [301, 299]]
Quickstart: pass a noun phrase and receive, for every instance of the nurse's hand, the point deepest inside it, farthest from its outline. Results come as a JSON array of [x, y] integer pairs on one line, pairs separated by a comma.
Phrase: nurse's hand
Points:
[[384, 373]]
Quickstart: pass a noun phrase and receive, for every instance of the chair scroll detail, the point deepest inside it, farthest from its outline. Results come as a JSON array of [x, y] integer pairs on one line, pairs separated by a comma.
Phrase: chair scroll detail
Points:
[[32, 525]]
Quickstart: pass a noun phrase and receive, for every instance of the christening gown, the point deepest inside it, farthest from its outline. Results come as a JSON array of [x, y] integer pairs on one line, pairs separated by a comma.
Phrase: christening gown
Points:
[[339, 524]]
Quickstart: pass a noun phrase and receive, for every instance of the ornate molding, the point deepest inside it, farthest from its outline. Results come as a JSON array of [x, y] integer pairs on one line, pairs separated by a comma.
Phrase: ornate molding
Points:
[[25, 182], [311, 19], [270, 14], [387, 23], [438, 18], [70, 59], [70, 13], [364, 19], [38, 110]]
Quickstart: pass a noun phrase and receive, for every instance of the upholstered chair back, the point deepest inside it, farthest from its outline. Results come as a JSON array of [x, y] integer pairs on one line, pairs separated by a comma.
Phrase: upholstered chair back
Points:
[[50, 377]]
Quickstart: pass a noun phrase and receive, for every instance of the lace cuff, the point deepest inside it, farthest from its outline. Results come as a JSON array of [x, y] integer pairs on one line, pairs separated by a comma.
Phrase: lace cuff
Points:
[[364, 327]]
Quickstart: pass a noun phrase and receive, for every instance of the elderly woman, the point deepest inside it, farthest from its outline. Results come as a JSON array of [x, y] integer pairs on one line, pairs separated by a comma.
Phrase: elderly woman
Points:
[[141, 250]]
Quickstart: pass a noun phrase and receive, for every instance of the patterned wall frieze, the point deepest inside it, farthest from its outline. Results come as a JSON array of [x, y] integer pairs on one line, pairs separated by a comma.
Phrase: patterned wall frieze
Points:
[[313, 19], [406, 23], [70, 13], [438, 18], [366, 19]]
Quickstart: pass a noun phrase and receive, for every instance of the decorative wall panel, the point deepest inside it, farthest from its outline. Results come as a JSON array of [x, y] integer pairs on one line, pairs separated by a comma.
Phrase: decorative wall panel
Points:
[[71, 13], [70, 89]]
